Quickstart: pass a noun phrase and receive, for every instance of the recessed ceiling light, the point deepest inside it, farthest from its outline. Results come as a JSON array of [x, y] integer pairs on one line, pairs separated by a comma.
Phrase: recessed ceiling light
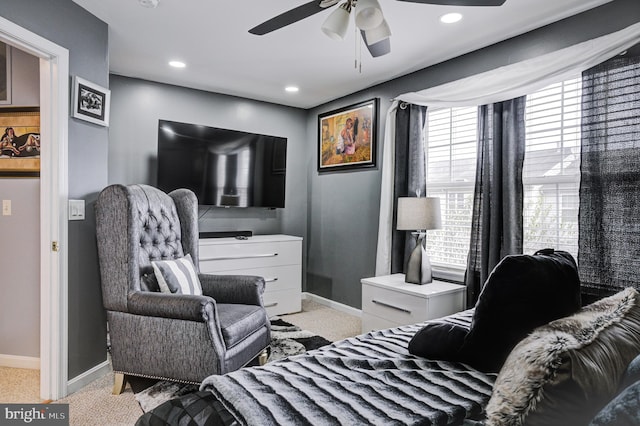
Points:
[[450, 18], [291, 89], [177, 64]]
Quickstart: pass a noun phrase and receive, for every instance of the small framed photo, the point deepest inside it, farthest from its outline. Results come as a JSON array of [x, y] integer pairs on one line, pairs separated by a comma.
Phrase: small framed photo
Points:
[[347, 137], [90, 102]]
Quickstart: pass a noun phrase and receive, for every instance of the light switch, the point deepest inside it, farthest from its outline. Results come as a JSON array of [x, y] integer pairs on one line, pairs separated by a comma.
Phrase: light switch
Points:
[[76, 209], [6, 207]]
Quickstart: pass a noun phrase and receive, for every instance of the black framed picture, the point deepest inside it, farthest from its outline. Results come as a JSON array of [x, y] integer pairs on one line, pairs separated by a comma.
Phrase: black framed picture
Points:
[[20, 142], [347, 137], [90, 102]]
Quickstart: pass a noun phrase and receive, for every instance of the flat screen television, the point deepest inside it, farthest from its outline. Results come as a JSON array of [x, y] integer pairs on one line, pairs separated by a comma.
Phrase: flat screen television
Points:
[[225, 168]]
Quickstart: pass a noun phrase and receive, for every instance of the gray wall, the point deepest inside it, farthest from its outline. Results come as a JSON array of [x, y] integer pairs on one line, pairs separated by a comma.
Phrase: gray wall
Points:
[[344, 208], [86, 37], [20, 266], [137, 105], [20, 243]]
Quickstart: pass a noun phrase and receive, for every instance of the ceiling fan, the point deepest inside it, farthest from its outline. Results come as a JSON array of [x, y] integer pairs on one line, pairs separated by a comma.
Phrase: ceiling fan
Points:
[[369, 19]]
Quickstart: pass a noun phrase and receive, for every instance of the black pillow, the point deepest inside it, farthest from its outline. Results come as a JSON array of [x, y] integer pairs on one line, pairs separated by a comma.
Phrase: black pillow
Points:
[[438, 340], [522, 292]]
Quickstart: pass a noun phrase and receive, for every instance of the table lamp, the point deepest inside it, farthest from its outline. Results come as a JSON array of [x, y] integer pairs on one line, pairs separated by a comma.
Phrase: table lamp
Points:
[[419, 215]]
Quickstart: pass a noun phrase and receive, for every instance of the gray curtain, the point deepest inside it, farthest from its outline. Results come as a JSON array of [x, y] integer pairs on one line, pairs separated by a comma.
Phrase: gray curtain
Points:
[[410, 174], [496, 227], [609, 218]]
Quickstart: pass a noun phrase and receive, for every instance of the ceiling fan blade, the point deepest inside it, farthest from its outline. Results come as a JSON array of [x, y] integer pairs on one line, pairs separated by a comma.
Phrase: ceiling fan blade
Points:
[[459, 2], [287, 18], [380, 48]]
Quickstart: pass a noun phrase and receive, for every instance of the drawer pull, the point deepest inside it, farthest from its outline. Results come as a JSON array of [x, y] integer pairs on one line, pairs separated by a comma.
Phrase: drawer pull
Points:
[[377, 302], [270, 280], [242, 256], [271, 305]]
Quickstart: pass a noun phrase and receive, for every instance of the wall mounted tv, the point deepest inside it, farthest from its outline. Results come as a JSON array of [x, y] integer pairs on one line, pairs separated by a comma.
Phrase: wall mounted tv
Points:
[[225, 168]]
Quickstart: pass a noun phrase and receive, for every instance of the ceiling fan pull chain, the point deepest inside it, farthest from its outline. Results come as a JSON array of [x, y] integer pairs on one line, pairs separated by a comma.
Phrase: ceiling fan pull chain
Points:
[[360, 51], [355, 47]]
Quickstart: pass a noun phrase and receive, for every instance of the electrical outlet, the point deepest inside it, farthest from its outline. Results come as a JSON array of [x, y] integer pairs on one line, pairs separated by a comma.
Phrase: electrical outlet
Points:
[[6, 207]]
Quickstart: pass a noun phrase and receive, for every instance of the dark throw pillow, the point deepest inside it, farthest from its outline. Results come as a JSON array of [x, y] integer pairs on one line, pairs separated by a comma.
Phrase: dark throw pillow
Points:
[[522, 292], [438, 340], [623, 410]]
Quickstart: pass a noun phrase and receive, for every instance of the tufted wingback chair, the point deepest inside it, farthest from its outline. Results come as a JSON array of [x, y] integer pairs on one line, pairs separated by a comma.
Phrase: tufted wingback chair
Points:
[[179, 337]]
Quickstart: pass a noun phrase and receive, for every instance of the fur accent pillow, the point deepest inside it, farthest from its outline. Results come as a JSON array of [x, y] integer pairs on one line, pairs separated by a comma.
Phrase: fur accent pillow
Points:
[[522, 292], [566, 371], [177, 276]]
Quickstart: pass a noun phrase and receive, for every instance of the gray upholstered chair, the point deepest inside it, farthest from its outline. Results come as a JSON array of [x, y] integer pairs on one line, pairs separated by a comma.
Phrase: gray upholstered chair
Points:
[[180, 337]]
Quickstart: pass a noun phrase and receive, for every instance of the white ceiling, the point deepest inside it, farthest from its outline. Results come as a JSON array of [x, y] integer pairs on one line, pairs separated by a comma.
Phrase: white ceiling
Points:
[[212, 38]]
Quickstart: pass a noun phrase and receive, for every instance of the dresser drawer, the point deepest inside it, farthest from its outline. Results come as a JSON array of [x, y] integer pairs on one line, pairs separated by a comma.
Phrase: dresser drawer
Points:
[[399, 308], [275, 277], [281, 302], [230, 257]]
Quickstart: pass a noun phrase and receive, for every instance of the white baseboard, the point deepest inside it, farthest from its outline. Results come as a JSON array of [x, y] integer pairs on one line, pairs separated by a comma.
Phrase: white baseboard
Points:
[[88, 376], [16, 361], [332, 304]]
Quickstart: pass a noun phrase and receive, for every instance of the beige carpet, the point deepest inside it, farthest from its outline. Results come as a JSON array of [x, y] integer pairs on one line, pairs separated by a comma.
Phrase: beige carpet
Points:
[[95, 405], [18, 385]]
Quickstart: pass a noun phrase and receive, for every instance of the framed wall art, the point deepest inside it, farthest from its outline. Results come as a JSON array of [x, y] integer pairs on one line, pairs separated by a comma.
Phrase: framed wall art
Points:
[[347, 137], [5, 74], [20, 142], [90, 102]]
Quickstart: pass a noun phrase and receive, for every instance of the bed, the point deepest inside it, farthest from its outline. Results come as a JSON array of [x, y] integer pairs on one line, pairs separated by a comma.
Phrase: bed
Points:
[[367, 379], [528, 353]]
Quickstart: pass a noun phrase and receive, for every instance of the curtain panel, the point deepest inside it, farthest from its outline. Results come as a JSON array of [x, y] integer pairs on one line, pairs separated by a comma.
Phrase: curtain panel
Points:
[[496, 224], [409, 175], [609, 215]]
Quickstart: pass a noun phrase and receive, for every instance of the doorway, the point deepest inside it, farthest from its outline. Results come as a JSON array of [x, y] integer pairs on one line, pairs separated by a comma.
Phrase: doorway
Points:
[[54, 113]]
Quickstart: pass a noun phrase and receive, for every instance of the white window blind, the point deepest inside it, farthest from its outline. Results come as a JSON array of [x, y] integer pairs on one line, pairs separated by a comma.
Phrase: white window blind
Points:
[[551, 174], [451, 165]]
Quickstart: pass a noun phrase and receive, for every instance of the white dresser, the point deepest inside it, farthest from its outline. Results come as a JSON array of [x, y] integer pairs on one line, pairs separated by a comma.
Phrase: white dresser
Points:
[[276, 258], [388, 301]]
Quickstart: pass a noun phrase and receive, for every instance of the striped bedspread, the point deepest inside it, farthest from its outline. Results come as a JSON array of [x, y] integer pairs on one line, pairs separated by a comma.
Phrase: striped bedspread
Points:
[[368, 379]]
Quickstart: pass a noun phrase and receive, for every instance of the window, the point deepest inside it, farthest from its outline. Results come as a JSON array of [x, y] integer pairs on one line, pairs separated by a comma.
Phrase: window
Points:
[[551, 174], [451, 173]]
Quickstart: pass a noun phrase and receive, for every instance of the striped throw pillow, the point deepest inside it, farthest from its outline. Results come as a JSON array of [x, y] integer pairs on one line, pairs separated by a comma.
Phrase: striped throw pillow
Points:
[[177, 276]]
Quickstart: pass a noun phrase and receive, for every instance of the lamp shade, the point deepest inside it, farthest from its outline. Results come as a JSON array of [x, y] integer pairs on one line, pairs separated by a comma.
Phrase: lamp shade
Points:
[[368, 14], [417, 213], [337, 23]]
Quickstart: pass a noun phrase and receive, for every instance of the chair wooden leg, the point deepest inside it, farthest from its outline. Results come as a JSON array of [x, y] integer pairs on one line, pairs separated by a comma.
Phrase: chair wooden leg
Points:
[[262, 358], [119, 383]]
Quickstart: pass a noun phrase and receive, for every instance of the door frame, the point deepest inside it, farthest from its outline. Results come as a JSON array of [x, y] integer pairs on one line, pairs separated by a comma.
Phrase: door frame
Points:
[[54, 125]]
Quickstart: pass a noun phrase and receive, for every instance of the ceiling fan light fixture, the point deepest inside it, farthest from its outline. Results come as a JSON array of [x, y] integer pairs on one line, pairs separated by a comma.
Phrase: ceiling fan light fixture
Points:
[[337, 23], [368, 14], [378, 33]]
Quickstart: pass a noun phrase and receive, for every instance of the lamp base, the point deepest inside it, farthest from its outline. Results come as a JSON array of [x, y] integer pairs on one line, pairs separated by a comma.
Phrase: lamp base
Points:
[[419, 266]]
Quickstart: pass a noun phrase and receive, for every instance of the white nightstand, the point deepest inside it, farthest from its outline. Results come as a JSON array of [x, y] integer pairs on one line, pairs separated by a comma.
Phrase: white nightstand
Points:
[[388, 301]]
